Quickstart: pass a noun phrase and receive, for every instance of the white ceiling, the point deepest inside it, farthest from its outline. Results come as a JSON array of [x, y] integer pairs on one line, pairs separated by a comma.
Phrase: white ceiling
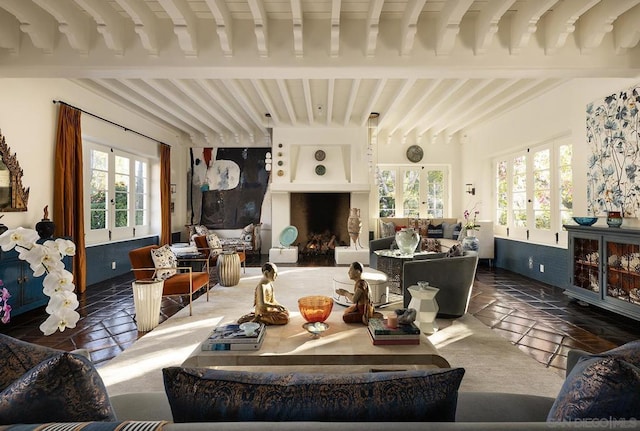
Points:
[[211, 70]]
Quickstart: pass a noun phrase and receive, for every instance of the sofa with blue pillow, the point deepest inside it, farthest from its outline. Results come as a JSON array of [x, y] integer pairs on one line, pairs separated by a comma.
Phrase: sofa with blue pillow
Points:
[[46, 389]]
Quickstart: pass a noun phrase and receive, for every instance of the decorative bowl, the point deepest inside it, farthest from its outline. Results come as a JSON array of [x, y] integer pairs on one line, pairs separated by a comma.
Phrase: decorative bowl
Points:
[[585, 221], [315, 308], [316, 328], [249, 328]]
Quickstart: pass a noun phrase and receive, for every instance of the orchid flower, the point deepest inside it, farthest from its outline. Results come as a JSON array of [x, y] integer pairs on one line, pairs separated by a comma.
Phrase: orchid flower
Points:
[[58, 284]]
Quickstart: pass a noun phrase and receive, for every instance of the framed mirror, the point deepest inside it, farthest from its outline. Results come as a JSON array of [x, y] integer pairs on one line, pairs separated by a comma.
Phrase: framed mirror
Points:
[[13, 197]]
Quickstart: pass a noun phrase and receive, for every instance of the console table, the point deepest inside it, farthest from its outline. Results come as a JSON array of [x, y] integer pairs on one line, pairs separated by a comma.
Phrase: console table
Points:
[[343, 345]]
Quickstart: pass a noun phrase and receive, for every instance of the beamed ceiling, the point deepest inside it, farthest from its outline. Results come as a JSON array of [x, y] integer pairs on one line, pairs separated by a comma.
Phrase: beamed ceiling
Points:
[[211, 70]]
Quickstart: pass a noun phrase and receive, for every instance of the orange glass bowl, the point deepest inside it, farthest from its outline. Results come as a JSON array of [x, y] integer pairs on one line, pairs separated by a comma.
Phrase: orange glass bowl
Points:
[[315, 308]]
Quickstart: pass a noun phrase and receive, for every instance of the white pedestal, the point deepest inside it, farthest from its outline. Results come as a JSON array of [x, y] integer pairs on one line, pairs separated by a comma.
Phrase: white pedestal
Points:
[[147, 298], [283, 255], [424, 302], [348, 255]]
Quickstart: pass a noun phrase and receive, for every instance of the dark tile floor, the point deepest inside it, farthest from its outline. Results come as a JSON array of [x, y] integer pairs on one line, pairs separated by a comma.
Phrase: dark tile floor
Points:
[[538, 318]]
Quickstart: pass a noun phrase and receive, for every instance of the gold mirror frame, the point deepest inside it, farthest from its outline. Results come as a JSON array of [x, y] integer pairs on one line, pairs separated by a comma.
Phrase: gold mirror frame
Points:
[[19, 195]]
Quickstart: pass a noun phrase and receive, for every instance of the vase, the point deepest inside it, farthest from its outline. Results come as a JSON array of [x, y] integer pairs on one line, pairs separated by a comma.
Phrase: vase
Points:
[[354, 225], [407, 240], [45, 228], [471, 242], [614, 218]]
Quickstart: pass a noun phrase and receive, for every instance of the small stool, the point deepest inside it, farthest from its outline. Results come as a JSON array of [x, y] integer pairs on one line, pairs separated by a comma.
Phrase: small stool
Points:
[[147, 298], [283, 254], [228, 266], [424, 302]]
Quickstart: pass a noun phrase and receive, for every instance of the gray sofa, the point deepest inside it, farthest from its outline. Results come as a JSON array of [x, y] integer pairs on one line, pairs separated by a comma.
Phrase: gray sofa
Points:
[[454, 277]]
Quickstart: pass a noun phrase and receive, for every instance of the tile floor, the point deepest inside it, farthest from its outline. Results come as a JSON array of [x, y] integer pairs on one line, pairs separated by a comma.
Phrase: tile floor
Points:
[[538, 318]]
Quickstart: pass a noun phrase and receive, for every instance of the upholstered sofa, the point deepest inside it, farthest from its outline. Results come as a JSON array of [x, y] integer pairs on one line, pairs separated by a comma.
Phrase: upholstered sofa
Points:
[[46, 386]]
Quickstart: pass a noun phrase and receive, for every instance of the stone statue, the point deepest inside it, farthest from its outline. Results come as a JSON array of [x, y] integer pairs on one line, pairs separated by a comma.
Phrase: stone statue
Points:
[[266, 309]]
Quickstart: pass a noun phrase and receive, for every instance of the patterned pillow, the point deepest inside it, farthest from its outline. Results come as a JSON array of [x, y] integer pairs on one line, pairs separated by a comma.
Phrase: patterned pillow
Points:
[[435, 231], [430, 244], [215, 246], [207, 395], [387, 229], [18, 357], [63, 388], [201, 230], [605, 385], [454, 251], [247, 233], [164, 257]]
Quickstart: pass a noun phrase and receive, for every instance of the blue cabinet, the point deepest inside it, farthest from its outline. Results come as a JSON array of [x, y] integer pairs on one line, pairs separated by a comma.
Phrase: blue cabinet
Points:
[[25, 289]]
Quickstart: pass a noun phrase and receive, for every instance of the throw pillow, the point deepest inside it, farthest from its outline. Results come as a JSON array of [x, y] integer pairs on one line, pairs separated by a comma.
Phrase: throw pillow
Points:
[[435, 231], [63, 388], [215, 246], [431, 244], [247, 233], [598, 388], [457, 228], [448, 230], [164, 257], [18, 357], [423, 227], [387, 228], [454, 251], [206, 395], [201, 229], [613, 372]]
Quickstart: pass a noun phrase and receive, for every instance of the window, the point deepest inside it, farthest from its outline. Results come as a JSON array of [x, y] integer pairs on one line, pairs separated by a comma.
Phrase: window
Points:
[[116, 194], [412, 192], [534, 192]]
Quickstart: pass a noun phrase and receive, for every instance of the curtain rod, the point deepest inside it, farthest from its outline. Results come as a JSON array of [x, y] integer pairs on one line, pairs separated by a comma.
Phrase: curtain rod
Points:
[[126, 129]]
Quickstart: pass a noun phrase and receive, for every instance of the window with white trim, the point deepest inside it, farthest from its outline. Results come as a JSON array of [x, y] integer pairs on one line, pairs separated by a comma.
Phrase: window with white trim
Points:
[[534, 191], [116, 191], [412, 191]]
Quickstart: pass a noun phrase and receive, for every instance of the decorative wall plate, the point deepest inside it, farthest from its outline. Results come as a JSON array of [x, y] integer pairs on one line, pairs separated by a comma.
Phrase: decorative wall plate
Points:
[[280, 172], [415, 153], [288, 236], [321, 169], [320, 155]]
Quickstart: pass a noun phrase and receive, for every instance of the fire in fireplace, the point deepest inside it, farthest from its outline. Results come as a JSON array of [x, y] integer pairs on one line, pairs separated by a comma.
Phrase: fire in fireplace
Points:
[[321, 219]]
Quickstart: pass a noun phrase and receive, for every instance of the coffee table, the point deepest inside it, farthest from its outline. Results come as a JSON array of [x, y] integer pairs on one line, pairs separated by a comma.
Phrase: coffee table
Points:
[[344, 345]]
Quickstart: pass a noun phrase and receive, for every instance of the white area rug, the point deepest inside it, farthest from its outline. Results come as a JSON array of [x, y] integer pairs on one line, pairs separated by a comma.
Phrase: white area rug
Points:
[[492, 363]]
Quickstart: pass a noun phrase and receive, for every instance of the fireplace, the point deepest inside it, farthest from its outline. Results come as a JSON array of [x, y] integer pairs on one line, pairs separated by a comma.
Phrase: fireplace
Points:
[[321, 219]]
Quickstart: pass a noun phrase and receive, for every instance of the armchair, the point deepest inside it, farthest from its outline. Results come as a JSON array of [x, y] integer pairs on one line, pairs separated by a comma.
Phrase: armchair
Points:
[[203, 247], [184, 282], [454, 277]]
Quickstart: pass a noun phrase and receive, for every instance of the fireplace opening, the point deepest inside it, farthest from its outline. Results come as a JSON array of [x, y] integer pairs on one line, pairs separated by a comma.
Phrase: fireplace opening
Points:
[[321, 220]]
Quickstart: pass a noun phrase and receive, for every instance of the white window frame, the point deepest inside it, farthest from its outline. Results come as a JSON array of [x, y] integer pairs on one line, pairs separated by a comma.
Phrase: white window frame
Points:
[[111, 232], [399, 189], [555, 235]]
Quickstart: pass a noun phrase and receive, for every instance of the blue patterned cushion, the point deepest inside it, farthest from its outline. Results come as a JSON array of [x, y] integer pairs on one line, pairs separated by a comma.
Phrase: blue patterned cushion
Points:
[[601, 386], [435, 231], [206, 395], [62, 388], [18, 357]]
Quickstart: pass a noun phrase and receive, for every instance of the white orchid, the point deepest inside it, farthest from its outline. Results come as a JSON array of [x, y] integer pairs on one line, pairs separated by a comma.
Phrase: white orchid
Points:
[[58, 284]]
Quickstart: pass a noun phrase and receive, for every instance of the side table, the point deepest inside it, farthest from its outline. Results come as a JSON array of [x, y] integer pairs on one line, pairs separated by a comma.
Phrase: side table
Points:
[[147, 298], [424, 302], [228, 266]]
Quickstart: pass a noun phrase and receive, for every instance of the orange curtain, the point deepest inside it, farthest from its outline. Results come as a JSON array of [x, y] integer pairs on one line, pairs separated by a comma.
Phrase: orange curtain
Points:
[[165, 193], [68, 207]]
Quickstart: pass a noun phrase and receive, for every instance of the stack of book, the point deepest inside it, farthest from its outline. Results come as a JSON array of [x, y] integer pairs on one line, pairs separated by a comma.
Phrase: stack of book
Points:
[[381, 334], [231, 337]]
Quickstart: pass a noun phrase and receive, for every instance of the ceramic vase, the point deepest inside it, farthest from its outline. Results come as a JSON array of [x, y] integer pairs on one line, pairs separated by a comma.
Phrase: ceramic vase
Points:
[[470, 242], [407, 240], [614, 218], [354, 225]]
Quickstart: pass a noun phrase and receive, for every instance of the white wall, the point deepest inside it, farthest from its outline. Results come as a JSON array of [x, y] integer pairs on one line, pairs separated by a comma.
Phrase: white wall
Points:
[[28, 121], [559, 113]]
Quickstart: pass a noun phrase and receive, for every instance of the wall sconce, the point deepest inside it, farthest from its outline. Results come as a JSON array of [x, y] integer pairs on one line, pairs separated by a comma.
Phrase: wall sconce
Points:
[[470, 189]]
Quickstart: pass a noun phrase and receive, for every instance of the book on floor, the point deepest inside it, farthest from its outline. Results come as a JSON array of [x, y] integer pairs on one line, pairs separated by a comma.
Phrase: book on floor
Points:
[[378, 326], [232, 334], [216, 345]]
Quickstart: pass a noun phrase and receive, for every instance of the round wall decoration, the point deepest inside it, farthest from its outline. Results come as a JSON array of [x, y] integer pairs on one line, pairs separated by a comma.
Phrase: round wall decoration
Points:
[[280, 172], [415, 153], [321, 169], [320, 155]]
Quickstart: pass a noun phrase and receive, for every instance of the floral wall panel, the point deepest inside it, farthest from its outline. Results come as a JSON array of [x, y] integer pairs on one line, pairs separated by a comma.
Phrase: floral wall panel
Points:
[[613, 182]]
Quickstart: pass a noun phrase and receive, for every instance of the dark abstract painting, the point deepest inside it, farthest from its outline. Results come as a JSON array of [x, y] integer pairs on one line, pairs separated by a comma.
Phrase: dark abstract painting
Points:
[[228, 186]]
